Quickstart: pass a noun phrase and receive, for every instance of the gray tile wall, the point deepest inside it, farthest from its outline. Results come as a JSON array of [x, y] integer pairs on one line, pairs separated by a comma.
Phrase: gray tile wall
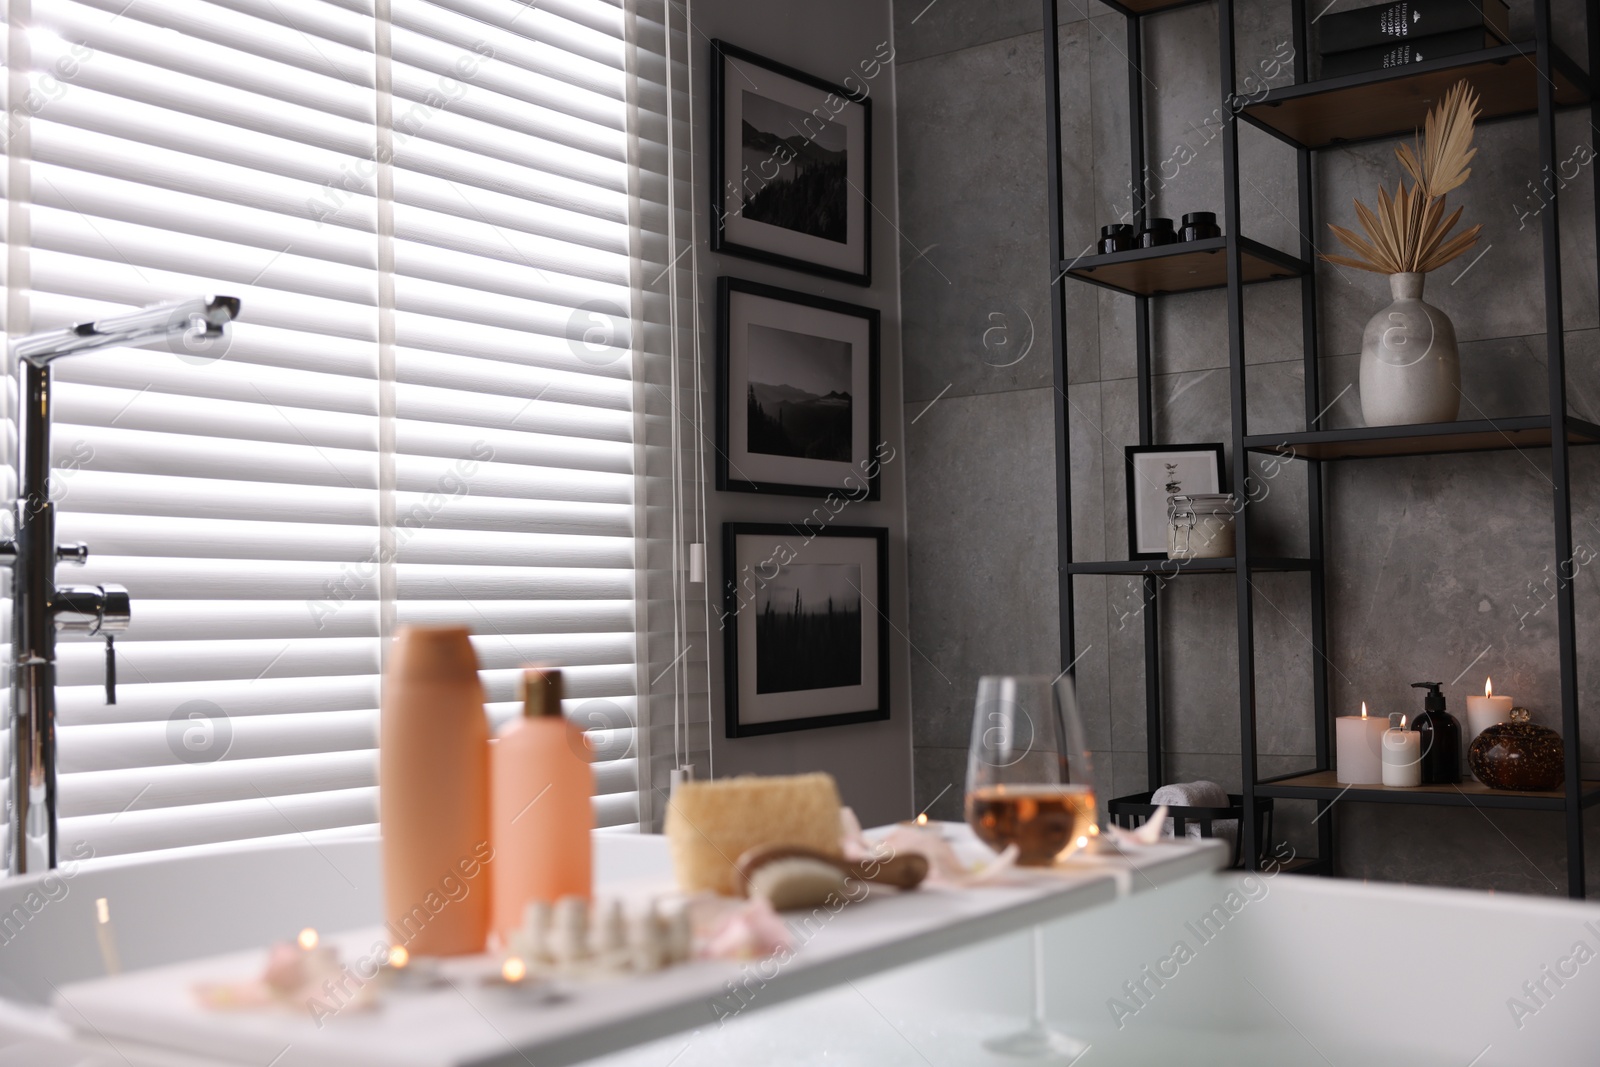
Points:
[[1432, 562]]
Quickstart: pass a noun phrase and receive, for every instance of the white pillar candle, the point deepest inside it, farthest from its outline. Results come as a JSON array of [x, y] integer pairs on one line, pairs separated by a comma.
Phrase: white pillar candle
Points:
[[1402, 754], [1358, 748], [1483, 712]]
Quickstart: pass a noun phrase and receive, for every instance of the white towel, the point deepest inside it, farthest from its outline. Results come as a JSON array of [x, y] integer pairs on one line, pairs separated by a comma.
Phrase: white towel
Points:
[[1201, 794]]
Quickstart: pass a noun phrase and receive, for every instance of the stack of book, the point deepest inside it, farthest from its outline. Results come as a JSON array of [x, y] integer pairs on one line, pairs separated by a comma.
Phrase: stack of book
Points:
[[1408, 31]]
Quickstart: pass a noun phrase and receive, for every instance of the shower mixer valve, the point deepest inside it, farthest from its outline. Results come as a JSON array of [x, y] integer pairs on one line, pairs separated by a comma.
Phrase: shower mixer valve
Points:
[[40, 607]]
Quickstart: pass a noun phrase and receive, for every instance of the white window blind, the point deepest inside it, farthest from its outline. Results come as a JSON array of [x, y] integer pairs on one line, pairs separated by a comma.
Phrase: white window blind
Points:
[[428, 411]]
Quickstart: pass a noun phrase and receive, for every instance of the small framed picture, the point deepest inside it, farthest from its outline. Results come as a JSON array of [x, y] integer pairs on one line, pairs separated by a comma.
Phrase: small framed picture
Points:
[[797, 393], [1156, 472], [805, 635], [791, 178]]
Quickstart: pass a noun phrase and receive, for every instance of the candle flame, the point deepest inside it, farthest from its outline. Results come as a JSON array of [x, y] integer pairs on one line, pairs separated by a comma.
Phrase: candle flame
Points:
[[102, 910], [1363, 709], [307, 939], [1488, 687], [1402, 722], [514, 970], [1083, 841], [922, 820], [399, 957]]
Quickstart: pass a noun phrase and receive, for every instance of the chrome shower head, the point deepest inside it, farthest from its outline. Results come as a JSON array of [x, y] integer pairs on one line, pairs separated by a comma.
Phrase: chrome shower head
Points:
[[206, 316]]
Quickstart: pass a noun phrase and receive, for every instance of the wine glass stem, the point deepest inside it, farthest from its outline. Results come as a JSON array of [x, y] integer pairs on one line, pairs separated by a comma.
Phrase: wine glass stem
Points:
[[1038, 976]]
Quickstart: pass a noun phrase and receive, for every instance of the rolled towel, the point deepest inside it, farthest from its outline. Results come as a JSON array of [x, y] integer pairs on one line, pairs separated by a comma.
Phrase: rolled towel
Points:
[[1201, 794]]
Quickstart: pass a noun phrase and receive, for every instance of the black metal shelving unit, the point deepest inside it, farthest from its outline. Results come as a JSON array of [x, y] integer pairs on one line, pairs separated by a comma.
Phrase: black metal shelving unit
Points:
[[1514, 80]]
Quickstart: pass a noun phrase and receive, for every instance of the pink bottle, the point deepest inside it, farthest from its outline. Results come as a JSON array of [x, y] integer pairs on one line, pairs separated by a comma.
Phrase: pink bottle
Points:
[[540, 809], [433, 794]]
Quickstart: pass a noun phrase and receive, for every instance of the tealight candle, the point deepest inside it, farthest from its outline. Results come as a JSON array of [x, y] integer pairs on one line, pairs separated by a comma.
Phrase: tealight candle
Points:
[[1359, 748], [1402, 754], [1483, 712]]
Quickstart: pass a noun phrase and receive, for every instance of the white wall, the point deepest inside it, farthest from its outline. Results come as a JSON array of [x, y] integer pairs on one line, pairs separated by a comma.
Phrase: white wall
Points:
[[829, 39]]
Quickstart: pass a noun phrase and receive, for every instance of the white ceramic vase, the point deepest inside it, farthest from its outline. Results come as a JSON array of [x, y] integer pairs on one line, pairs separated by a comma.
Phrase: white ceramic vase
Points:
[[1410, 367]]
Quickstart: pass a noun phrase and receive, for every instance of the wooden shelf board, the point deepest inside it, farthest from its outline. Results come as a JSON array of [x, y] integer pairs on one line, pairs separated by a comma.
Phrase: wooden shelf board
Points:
[[1364, 107], [1150, 7], [1188, 266], [1174, 567], [1378, 442], [1322, 785]]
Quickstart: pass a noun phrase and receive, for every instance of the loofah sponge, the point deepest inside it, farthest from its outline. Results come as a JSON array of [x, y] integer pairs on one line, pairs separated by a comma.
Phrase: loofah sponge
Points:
[[711, 824]]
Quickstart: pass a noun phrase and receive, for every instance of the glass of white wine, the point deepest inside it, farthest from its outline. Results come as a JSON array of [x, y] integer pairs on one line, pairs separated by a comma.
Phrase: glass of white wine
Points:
[[1030, 784]]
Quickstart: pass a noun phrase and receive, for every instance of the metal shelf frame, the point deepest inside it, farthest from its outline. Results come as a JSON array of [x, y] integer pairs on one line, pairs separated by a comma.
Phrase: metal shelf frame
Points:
[[1556, 78]]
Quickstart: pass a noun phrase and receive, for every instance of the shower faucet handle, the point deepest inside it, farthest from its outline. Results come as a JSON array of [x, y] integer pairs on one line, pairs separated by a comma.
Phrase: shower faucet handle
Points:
[[73, 552], [92, 609]]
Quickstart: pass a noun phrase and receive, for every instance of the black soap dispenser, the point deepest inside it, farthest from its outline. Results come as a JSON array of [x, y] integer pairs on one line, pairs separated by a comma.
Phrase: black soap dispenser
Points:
[[1441, 738]]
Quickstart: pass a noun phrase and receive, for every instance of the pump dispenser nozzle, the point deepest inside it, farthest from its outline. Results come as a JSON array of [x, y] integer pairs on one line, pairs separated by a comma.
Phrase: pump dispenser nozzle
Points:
[[1435, 698], [1441, 737]]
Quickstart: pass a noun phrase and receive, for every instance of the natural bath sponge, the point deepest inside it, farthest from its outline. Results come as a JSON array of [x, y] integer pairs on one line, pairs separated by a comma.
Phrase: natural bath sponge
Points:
[[711, 824]]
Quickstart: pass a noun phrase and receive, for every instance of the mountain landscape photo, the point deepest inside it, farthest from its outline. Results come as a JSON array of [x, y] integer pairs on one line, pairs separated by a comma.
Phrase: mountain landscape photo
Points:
[[795, 169], [797, 399], [808, 628]]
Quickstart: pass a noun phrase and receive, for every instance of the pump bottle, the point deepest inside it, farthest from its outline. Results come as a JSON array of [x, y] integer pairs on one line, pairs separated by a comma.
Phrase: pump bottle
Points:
[[1441, 738]]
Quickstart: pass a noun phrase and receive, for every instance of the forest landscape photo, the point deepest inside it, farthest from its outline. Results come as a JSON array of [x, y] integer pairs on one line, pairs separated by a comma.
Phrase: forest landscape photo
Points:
[[795, 169], [798, 395], [808, 628]]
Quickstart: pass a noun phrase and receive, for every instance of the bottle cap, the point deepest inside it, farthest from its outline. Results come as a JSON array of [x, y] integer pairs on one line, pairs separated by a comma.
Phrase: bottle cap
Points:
[[541, 692], [1434, 701], [1197, 218], [1117, 229]]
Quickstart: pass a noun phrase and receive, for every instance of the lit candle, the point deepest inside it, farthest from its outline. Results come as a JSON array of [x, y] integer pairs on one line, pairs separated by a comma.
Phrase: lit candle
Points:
[[513, 970], [1359, 748], [1483, 712], [1402, 753]]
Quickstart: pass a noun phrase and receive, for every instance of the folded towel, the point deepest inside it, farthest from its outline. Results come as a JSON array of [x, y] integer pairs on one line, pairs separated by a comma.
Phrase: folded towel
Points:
[[1201, 794]]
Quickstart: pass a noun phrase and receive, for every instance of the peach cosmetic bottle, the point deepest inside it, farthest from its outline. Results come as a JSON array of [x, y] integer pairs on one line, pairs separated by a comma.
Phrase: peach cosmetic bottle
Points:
[[541, 811], [433, 794]]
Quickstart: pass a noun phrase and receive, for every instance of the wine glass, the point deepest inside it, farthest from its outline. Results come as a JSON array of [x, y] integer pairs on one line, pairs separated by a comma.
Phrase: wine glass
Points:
[[1030, 784]]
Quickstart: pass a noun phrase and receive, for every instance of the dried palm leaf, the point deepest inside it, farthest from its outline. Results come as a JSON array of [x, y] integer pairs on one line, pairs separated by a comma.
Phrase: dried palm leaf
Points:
[[1410, 230]]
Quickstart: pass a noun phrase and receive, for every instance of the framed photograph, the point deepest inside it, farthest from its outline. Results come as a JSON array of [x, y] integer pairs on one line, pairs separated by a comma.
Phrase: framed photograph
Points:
[[1156, 472], [805, 642], [791, 177], [797, 393]]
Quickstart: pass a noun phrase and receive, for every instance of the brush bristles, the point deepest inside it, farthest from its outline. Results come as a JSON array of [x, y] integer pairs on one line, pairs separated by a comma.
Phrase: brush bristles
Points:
[[1410, 232]]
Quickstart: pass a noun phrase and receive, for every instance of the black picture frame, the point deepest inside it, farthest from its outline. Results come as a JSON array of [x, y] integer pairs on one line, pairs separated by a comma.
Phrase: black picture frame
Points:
[[742, 305], [1138, 519], [820, 104], [755, 559]]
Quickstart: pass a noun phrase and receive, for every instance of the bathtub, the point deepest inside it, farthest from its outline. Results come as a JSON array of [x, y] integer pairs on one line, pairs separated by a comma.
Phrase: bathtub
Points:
[[1214, 968]]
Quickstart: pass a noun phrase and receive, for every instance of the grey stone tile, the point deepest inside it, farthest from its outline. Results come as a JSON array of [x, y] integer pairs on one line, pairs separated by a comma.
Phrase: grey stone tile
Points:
[[1193, 408], [975, 287], [1119, 427], [1084, 422], [1129, 774], [1275, 397], [1199, 684], [1278, 516], [923, 28], [1421, 581], [1189, 331], [939, 776], [1284, 656], [982, 547], [1125, 644], [1107, 105], [1091, 672], [1518, 851], [1118, 347]]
